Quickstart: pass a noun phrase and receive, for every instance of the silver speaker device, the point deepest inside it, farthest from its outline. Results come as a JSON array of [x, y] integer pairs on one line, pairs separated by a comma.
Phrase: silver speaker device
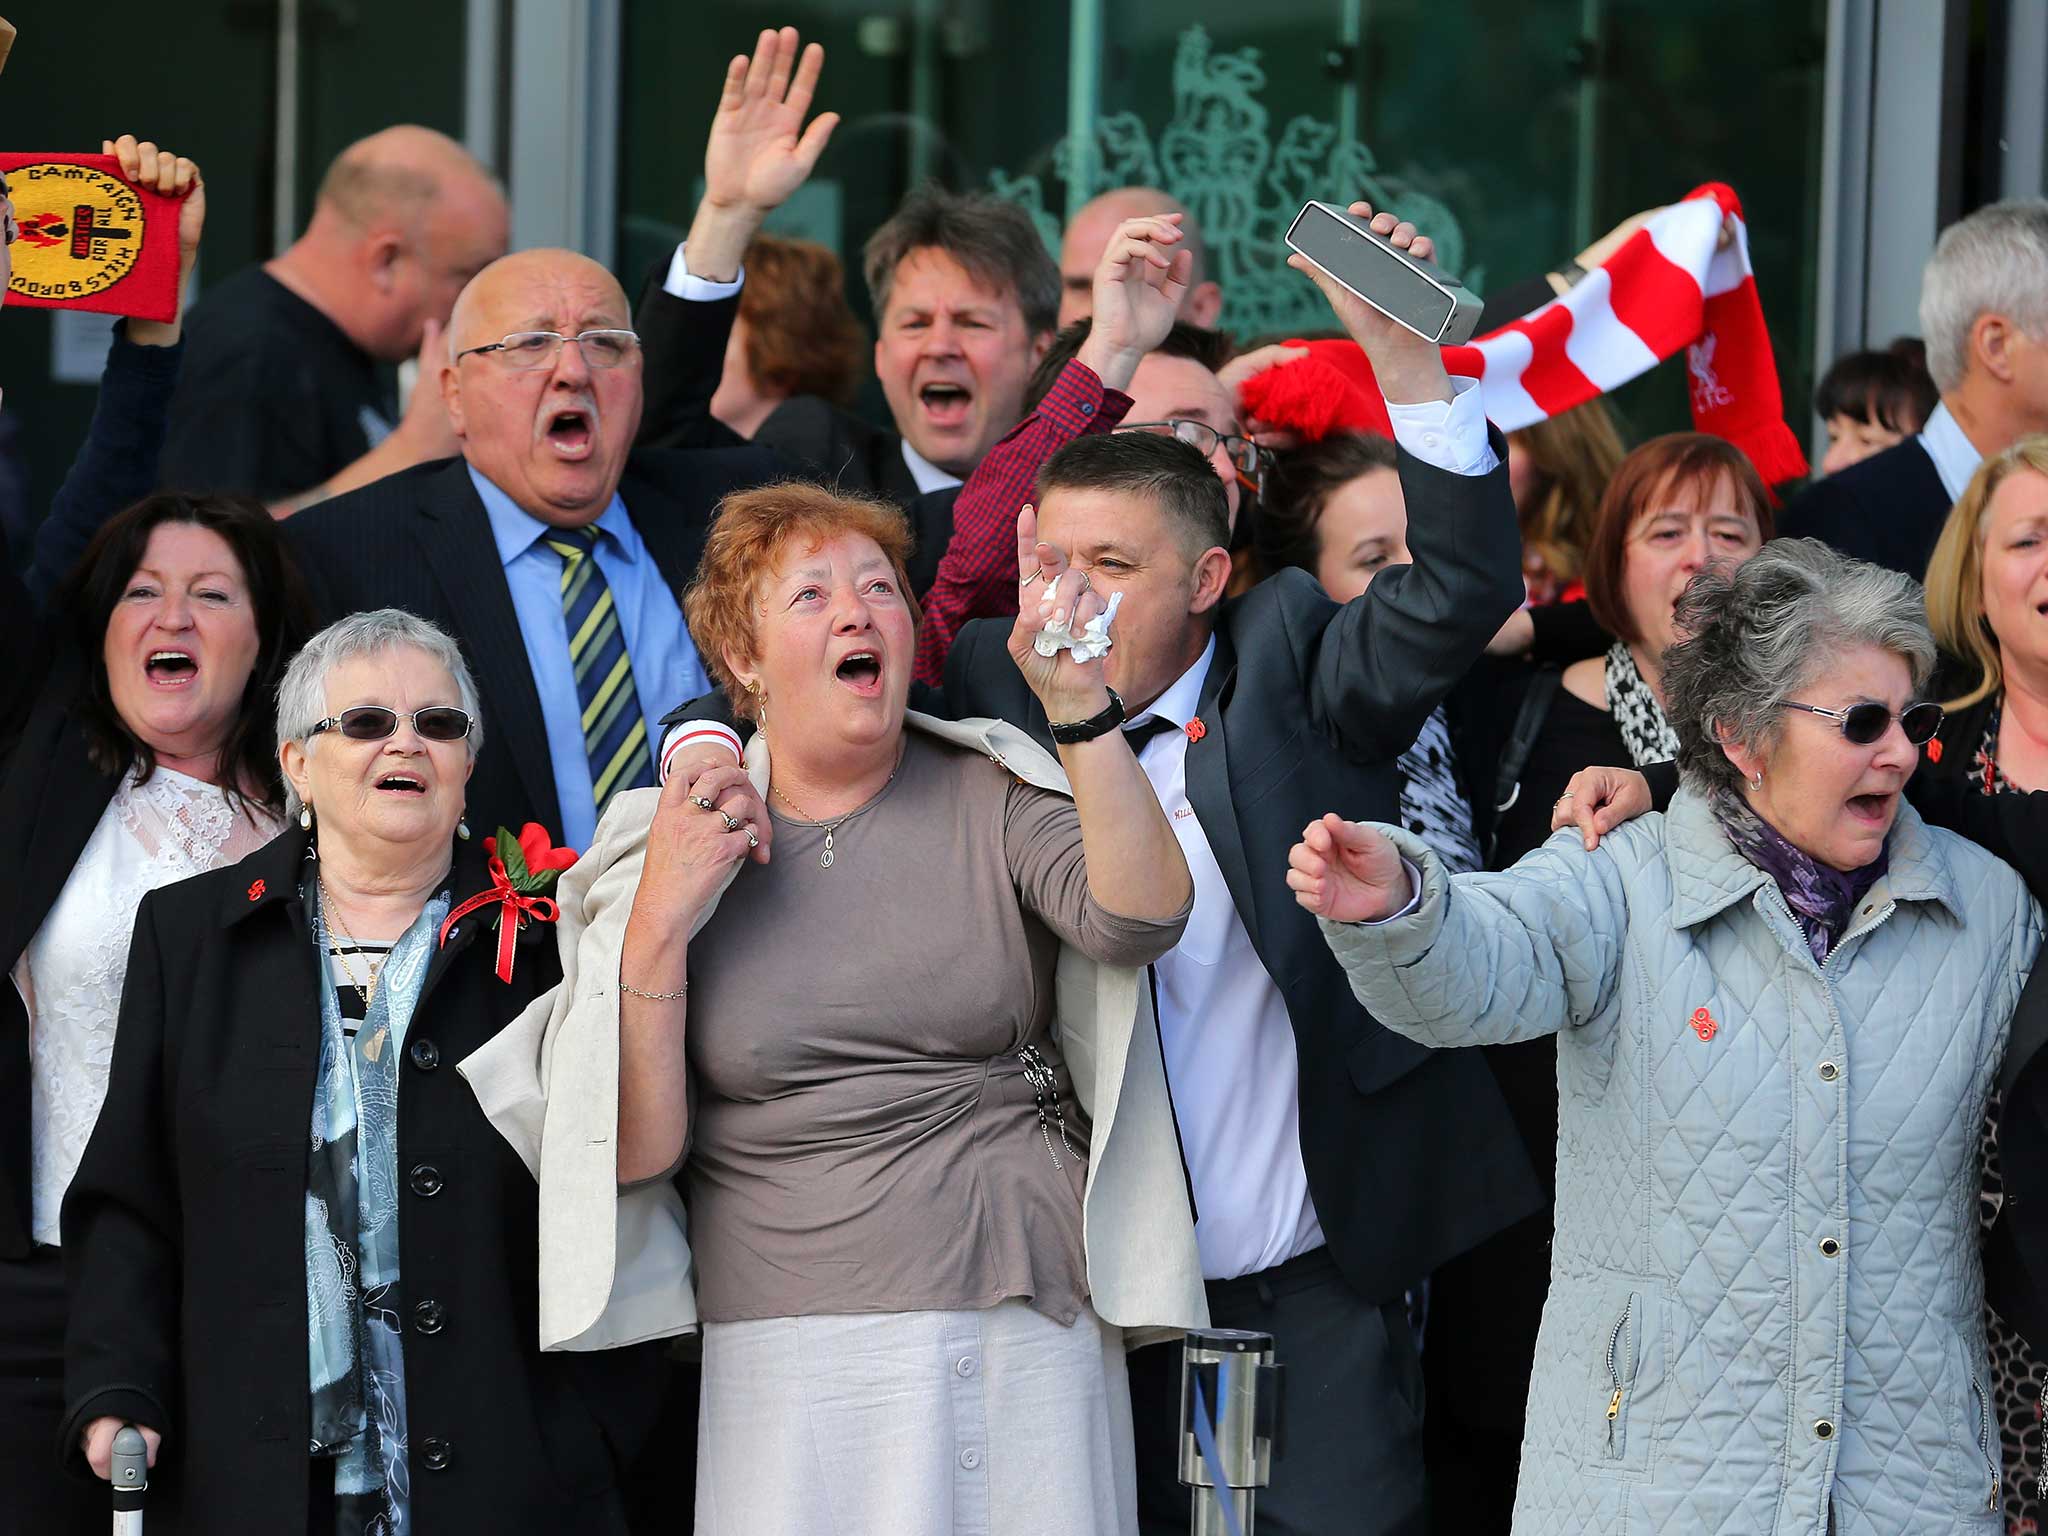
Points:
[[1409, 292]]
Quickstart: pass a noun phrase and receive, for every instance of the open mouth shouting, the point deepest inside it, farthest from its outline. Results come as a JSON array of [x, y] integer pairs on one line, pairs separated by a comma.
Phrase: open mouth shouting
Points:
[[401, 782], [861, 672], [1874, 810], [570, 431], [947, 403], [171, 669]]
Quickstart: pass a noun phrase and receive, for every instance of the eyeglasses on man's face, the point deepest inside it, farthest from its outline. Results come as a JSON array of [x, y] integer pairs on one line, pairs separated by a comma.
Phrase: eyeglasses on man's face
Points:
[[1245, 455], [539, 349]]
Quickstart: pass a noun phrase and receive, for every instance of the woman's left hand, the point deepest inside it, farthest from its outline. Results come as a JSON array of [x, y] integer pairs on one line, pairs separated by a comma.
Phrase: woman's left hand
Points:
[[1068, 689], [172, 176]]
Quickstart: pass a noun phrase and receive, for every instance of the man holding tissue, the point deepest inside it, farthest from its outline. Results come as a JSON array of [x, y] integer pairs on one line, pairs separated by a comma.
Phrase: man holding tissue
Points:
[[1331, 1164]]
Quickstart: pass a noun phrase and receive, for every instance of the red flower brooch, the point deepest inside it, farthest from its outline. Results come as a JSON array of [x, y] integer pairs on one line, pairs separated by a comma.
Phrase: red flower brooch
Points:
[[523, 870]]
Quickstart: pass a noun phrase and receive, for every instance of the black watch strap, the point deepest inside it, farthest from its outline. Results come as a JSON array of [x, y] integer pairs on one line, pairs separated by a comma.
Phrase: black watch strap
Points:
[[1095, 725]]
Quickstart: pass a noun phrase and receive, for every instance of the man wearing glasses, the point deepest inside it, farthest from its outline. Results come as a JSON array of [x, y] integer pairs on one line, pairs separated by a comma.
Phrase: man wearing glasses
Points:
[[551, 549]]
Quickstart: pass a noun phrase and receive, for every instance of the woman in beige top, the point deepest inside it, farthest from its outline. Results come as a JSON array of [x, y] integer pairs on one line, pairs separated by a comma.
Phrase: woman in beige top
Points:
[[880, 1146]]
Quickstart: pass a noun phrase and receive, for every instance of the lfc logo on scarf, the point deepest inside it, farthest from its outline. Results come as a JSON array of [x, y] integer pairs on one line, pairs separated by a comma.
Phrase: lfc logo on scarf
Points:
[[90, 239]]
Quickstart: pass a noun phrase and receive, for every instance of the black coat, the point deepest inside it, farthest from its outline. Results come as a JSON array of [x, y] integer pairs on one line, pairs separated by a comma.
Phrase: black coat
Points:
[[51, 795], [184, 1233], [421, 540], [1888, 509], [1411, 1153]]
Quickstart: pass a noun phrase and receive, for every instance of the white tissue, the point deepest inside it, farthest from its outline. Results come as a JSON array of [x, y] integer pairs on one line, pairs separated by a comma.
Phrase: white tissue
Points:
[[1092, 643]]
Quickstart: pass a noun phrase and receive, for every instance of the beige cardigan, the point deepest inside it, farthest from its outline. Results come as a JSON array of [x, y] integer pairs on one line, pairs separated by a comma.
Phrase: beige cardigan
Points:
[[615, 1263]]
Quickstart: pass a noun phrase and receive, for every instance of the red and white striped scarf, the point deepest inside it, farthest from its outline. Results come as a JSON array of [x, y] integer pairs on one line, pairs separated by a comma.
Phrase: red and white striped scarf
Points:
[[1669, 287]]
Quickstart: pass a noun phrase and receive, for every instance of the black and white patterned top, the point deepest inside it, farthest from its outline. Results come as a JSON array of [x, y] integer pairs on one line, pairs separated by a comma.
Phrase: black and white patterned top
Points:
[[1431, 805]]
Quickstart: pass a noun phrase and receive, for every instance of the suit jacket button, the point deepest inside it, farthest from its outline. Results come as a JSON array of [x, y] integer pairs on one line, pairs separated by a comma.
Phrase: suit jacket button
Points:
[[426, 1180], [436, 1453], [425, 1055], [429, 1316]]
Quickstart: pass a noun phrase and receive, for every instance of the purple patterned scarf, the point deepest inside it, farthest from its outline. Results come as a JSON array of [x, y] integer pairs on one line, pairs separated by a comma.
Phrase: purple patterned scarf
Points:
[[1821, 898]]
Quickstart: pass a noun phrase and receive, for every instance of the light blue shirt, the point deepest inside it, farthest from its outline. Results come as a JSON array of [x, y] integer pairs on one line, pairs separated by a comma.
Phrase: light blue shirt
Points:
[[666, 667]]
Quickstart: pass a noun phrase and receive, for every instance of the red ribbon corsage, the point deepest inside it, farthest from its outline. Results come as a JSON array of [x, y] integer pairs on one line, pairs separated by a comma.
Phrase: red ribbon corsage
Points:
[[523, 871]]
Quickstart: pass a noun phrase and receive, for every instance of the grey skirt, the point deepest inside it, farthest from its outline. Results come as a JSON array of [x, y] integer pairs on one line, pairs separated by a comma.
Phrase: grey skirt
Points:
[[977, 1423]]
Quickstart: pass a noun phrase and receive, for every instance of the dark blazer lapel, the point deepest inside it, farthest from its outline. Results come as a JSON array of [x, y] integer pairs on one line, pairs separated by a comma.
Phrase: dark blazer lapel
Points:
[[454, 534], [673, 536], [1208, 779]]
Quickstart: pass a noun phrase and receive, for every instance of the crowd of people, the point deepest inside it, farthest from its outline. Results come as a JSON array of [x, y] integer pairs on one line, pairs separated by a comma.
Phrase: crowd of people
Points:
[[620, 938]]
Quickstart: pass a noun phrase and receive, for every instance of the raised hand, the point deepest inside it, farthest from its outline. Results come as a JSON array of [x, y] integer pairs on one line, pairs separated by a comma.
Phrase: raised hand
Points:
[[759, 150], [1409, 369], [690, 849], [1347, 872], [1050, 589], [174, 176], [1139, 284]]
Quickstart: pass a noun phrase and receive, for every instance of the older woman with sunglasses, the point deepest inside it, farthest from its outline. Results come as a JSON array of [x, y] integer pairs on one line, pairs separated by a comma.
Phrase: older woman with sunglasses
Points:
[[1779, 1009], [299, 1253]]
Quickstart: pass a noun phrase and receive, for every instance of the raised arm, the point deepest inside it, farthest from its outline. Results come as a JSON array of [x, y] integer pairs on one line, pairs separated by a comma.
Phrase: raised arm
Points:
[[1135, 866], [1138, 285], [758, 152], [1476, 960], [1380, 664], [117, 463]]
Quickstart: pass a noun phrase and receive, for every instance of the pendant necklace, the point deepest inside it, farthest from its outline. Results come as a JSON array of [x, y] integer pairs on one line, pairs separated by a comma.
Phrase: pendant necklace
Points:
[[830, 827]]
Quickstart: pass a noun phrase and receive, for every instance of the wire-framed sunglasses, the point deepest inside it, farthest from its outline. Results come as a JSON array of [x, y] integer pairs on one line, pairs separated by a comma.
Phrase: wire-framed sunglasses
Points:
[[374, 722], [1864, 724]]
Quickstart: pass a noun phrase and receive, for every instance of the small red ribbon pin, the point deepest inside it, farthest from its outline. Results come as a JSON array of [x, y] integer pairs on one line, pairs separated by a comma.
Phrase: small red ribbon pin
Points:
[[256, 891], [1703, 1024], [522, 869], [1196, 730]]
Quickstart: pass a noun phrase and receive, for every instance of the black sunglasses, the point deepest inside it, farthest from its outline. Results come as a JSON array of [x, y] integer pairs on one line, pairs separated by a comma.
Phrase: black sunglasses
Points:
[[373, 722], [1866, 723]]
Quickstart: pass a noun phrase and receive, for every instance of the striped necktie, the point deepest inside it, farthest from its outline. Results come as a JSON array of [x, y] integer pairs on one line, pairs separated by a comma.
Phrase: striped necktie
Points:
[[614, 730]]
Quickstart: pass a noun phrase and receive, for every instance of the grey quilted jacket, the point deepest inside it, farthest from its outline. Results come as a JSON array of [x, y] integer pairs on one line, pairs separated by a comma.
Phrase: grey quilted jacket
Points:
[[1766, 1300]]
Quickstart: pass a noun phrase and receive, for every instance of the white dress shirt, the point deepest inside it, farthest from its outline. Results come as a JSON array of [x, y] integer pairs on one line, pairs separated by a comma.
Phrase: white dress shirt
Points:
[[1955, 457], [929, 476]]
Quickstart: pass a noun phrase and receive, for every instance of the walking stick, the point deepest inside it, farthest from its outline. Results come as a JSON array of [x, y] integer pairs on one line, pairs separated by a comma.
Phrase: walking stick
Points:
[[130, 1476]]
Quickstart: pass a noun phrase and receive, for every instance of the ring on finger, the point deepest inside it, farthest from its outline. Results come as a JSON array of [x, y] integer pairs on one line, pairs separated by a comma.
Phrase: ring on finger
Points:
[[753, 838], [732, 822], [1564, 797], [702, 802]]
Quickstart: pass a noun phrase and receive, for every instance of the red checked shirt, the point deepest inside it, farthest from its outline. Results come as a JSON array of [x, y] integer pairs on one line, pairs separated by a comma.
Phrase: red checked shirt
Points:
[[977, 576]]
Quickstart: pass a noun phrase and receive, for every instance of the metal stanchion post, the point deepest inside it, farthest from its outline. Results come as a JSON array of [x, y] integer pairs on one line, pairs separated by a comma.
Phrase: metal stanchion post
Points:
[[130, 1476], [1229, 1426]]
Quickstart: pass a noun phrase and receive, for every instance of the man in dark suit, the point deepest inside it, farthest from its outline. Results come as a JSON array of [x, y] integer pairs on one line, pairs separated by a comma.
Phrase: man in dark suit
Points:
[[1332, 1165], [554, 553], [1984, 317]]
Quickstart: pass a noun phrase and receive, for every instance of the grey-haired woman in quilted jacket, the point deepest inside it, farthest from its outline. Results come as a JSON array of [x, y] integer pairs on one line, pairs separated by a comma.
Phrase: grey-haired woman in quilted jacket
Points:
[[1779, 1009]]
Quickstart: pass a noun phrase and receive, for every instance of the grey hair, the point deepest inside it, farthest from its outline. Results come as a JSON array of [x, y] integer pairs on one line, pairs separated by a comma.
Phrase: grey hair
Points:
[[1759, 633], [994, 239], [302, 695], [1994, 262]]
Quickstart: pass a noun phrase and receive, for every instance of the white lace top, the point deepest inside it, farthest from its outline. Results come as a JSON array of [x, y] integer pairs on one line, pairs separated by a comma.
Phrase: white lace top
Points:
[[171, 828]]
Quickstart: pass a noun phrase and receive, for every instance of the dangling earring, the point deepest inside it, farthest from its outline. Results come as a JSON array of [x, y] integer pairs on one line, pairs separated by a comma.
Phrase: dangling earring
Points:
[[305, 818], [760, 701], [1756, 780], [462, 826]]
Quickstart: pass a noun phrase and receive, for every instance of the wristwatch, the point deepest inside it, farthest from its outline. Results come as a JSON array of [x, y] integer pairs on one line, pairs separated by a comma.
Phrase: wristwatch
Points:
[[1095, 725]]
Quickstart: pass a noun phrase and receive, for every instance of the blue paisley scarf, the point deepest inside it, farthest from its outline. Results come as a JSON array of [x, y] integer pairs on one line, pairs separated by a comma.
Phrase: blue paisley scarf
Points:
[[352, 1300]]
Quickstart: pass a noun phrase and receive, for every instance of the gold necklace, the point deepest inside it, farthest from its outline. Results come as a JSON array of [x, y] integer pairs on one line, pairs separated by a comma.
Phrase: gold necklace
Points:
[[804, 818], [330, 913]]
